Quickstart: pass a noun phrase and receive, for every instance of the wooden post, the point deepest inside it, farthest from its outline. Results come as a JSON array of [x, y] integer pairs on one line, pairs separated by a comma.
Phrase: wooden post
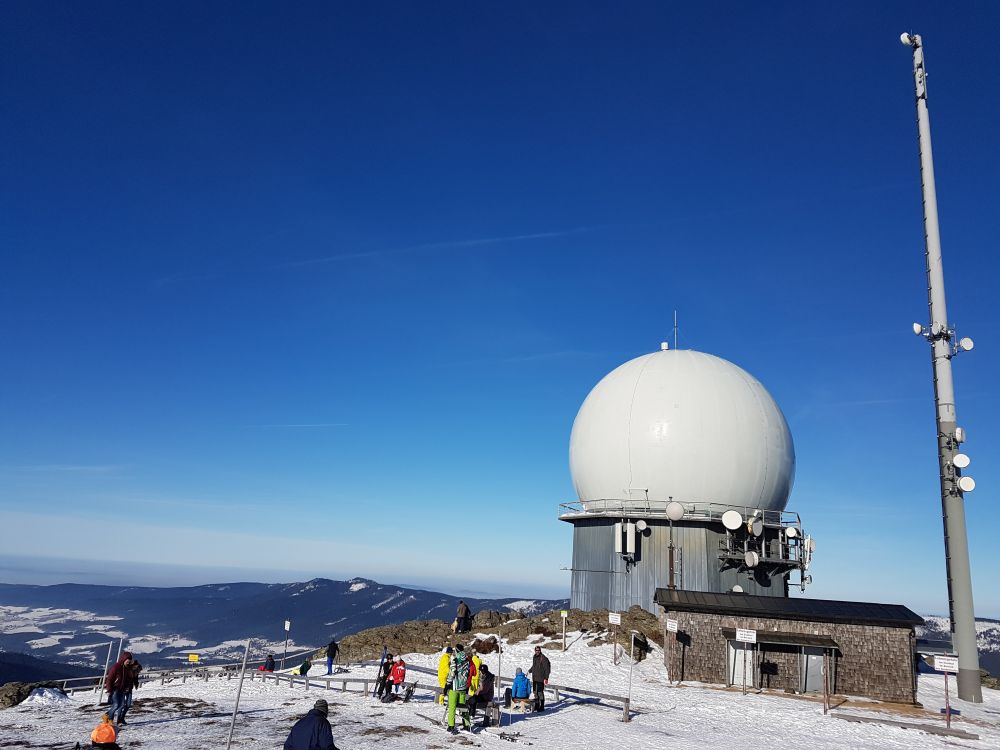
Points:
[[826, 681], [947, 702], [627, 716]]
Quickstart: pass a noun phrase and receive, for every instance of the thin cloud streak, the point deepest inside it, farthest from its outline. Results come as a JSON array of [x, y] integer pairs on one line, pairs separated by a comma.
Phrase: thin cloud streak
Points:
[[448, 245]]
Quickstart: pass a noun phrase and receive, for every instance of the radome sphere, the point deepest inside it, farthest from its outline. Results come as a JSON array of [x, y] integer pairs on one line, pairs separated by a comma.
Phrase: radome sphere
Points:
[[684, 425]]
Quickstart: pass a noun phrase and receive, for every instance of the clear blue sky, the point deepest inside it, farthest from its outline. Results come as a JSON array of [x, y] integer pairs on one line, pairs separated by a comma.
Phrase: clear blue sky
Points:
[[317, 289]]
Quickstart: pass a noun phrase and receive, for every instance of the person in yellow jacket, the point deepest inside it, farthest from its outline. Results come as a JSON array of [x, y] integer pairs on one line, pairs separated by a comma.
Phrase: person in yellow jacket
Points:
[[104, 734], [443, 666], [474, 682]]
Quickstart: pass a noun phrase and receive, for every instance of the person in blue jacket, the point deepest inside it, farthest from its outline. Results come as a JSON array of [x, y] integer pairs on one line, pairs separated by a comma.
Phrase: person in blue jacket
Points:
[[312, 731], [521, 689]]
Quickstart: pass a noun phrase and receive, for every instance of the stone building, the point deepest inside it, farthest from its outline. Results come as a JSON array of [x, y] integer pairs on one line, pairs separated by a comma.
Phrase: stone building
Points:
[[870, 647]]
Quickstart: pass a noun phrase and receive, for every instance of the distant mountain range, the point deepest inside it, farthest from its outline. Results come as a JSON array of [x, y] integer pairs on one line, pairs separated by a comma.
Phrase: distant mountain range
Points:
[[987, 639], [73, 623]]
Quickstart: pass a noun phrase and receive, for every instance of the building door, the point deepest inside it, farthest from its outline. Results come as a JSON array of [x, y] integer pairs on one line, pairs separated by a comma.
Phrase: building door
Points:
[[737, 652], [812, 669]]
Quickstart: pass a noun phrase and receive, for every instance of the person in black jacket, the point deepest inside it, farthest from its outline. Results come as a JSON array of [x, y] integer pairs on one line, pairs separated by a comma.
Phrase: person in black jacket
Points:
[[312, 731], [331, 654], [382, 683], [540, 669]]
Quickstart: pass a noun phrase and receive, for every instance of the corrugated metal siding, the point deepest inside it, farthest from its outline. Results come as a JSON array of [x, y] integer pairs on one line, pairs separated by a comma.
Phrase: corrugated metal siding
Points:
[[599, 579]]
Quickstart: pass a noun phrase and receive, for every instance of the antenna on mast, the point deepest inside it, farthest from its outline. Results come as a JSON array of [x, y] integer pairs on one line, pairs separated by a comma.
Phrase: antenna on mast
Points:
[[675, 330]]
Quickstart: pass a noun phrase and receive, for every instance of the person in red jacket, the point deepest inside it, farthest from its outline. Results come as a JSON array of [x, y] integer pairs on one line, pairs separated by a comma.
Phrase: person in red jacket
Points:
[[117, 684], [398, 675]]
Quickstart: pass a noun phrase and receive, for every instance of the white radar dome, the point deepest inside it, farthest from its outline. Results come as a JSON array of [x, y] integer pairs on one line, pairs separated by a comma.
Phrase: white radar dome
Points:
[[685, 425]]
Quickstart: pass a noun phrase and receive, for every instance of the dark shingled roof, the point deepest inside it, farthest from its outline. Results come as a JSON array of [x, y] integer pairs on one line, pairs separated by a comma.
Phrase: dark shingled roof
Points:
[[781, 608]]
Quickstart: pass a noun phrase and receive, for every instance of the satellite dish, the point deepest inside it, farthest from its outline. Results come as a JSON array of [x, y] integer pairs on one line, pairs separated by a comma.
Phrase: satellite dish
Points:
[[756, 527], [791, 532], [737, 589], [675, 511], [959, 435], [961, 460], [966, 484], [965, 344], [641, 526], [918, 329], [812, 544], [732, 519], [751, 558]]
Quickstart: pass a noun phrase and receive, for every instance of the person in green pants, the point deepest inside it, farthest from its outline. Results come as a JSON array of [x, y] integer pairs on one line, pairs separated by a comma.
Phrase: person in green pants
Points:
[[458, 688]]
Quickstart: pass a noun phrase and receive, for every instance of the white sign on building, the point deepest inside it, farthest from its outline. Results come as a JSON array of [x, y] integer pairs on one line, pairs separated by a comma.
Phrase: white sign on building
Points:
[[746, 636], [671, 626]]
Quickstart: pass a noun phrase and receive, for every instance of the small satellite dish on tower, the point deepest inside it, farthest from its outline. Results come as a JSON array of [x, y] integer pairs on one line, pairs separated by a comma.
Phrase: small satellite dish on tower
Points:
[[732, 519], [675, 511], [966, 484], [961, 460], [641, 526], [737, 589], [791, 532], [756, 527], [751, 559]]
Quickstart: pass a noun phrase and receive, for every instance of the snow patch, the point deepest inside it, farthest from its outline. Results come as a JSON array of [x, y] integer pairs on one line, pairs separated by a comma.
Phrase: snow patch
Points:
[[45, 697], [360, 586]]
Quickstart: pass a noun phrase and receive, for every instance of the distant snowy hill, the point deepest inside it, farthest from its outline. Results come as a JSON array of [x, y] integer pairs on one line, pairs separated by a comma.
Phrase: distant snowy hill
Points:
[[987, 639], [73, 622]]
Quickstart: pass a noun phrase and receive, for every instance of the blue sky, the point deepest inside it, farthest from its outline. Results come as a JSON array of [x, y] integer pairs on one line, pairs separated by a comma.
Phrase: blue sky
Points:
[[318, 290]]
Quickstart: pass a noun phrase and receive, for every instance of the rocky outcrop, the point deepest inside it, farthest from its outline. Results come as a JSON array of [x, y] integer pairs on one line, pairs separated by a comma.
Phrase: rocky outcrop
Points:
[[14, 692], [430, 636]]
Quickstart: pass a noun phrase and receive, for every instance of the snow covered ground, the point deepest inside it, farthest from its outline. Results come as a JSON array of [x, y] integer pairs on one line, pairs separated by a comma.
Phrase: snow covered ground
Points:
[[196, 715]]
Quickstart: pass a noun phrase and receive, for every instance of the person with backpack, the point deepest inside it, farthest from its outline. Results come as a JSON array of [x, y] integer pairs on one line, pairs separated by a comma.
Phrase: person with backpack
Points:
[[463, 618], [398, 675], [268, 663], [331, 654], [305, 667], [458, 688]]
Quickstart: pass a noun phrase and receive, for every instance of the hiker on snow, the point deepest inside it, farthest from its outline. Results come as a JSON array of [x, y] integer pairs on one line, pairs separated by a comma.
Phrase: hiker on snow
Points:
[[115, 684], [269, 663], [331, 654], [398, 674], [104, 735], [383, 683], [131, 683], [458, 687], [463, 618], [444, 665], [540, 669], [312, 731]]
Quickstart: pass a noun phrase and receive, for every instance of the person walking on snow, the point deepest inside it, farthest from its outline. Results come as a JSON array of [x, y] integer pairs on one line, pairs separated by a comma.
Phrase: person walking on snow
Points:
[[115, 684], [312, 731], [131, 683], [540, 669], [444, 665], [398, 675], [331, 654], [458, 688]]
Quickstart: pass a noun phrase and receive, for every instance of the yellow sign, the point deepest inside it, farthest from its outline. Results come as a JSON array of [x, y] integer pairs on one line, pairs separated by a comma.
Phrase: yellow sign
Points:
[[192, 657]]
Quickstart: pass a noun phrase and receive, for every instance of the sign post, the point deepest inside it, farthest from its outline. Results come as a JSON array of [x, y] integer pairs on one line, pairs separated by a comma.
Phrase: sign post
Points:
[[104, 679], [193, 658], [628, 700], [565, 614], [288, 626], [671, 628], [614, 618], [946, 664], [239, 689], [745, 636]]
